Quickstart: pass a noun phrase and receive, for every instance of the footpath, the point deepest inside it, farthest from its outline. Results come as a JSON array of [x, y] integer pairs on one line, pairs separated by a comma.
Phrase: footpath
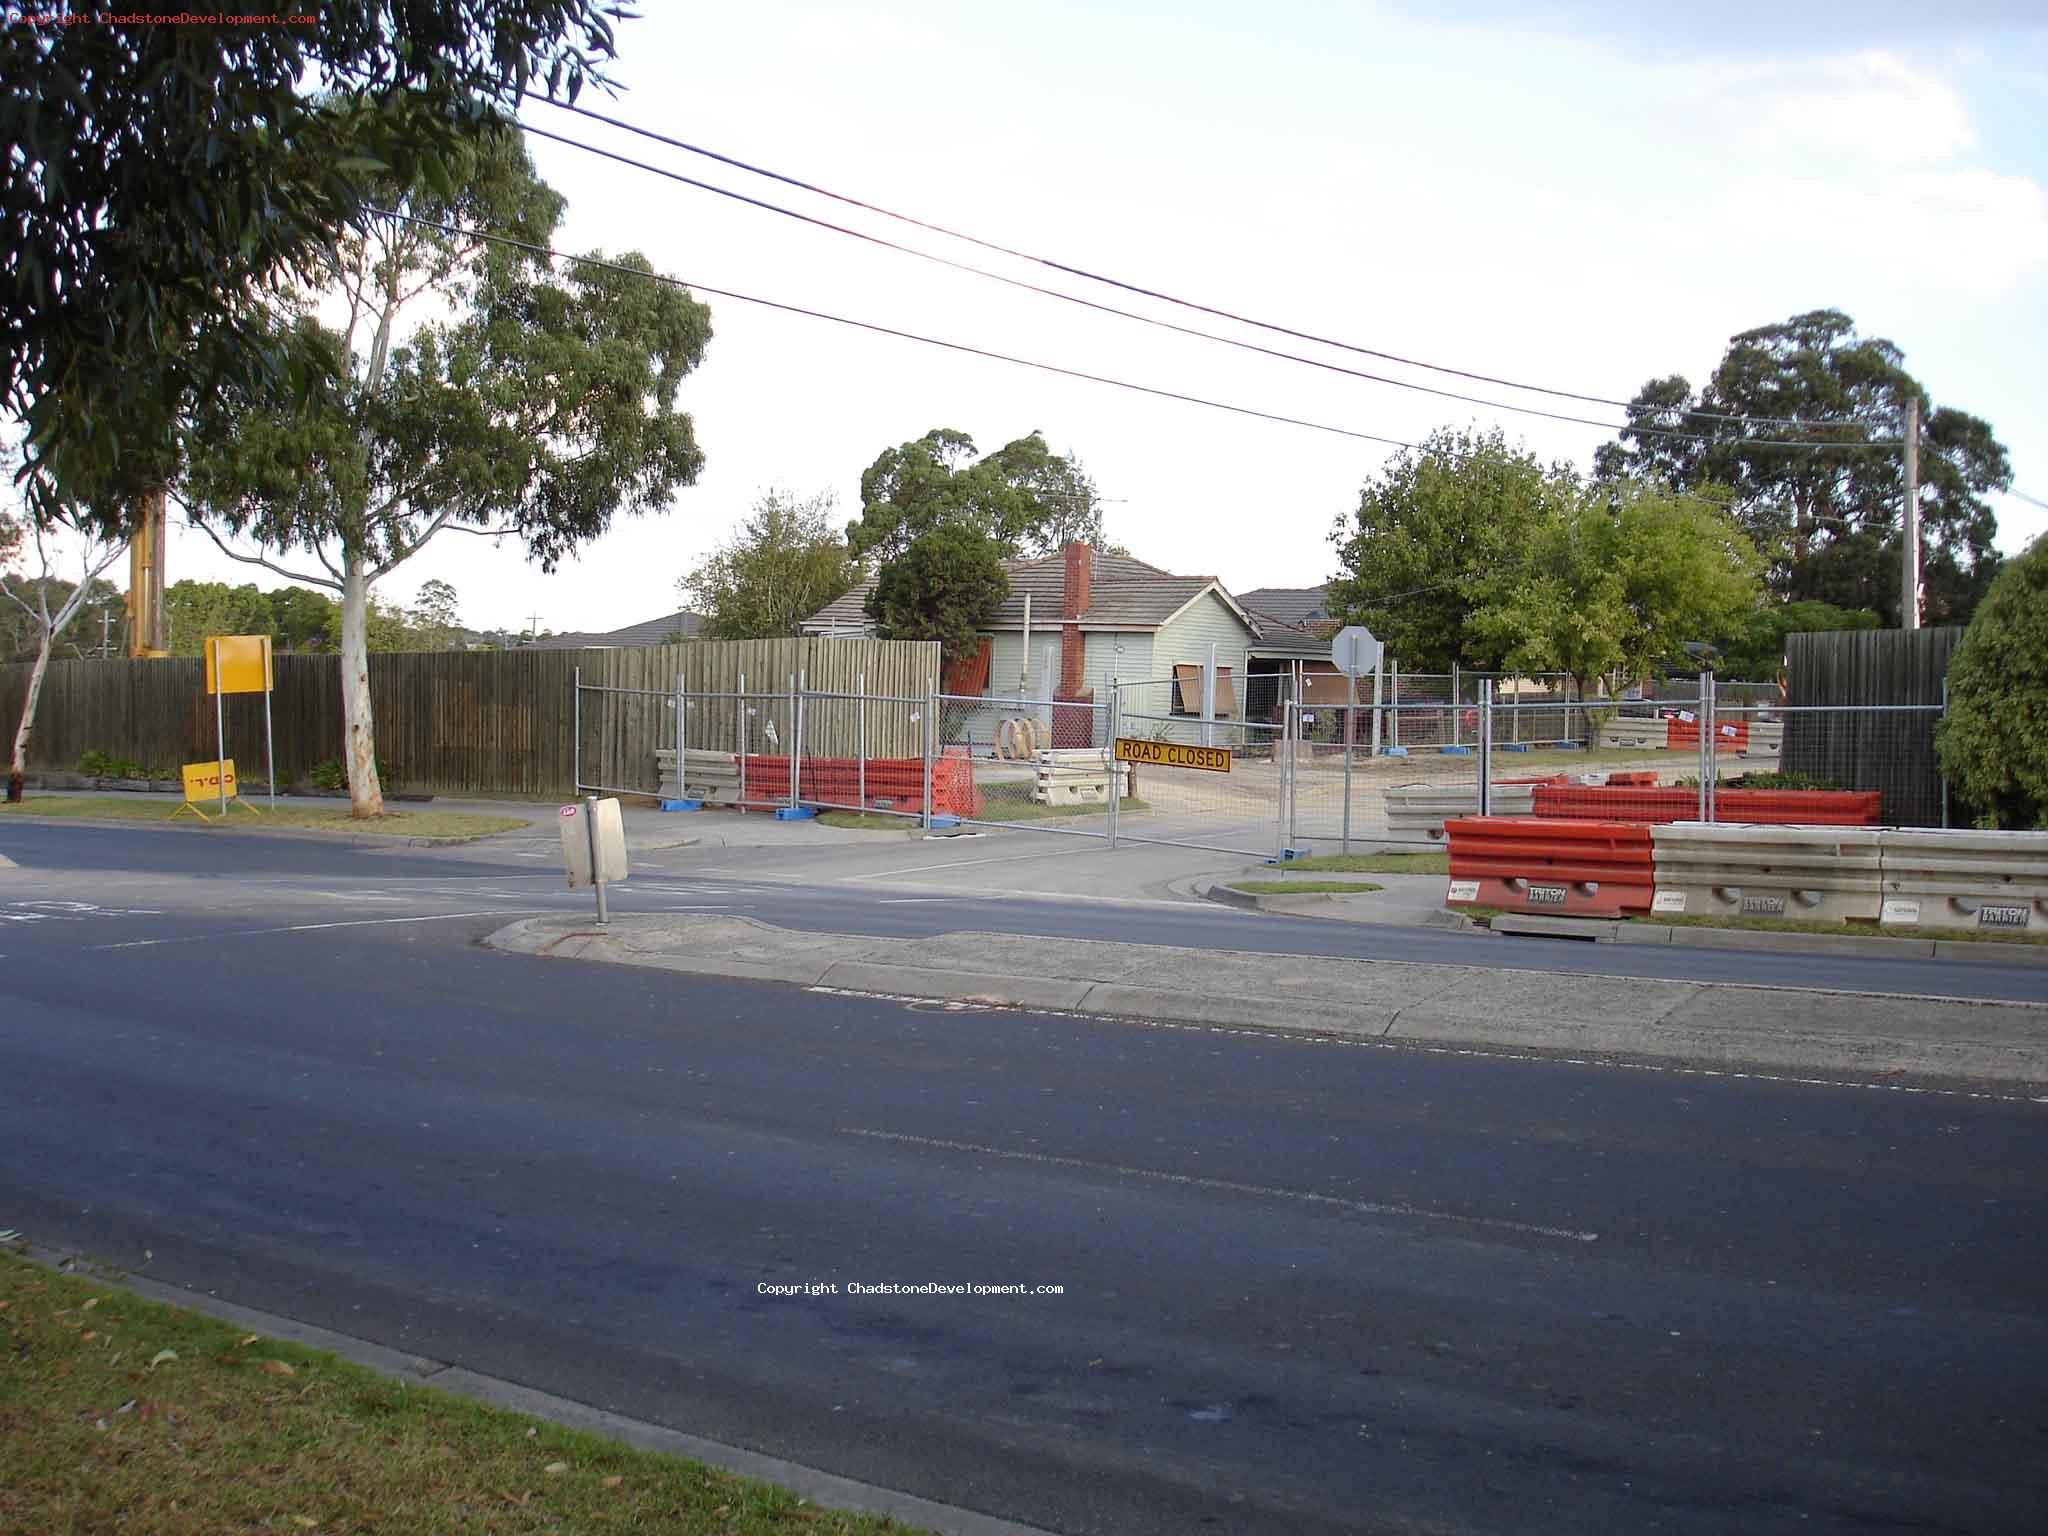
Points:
[[1777, 1029]]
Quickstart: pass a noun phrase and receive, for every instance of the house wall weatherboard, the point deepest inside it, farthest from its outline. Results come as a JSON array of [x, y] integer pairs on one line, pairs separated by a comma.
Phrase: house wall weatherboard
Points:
[[1186, 638]]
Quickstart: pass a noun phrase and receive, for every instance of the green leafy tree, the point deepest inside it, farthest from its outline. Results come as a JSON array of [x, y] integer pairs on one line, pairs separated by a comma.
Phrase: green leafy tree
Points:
[[1623, 577], [304, 620], [1827, 510], [50, 601], [136, 278], [530, 401], [1754, 650], [946, 587], [195, 609], [785, 563], [1431, 538], [1023, 497], [436, 616], [1993, 741]]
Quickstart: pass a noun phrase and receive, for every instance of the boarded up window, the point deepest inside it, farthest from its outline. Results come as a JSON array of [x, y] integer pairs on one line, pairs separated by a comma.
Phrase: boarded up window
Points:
[[1187, 691], [968, 674]]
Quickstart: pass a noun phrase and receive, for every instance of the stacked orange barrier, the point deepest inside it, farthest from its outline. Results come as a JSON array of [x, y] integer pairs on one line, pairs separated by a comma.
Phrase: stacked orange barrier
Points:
[[1729, 735], [1573, 868], [1643, 805], [836, 781]]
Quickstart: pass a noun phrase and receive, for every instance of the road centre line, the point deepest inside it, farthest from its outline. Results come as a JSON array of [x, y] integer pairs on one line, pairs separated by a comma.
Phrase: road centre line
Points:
[[1229, 1186]]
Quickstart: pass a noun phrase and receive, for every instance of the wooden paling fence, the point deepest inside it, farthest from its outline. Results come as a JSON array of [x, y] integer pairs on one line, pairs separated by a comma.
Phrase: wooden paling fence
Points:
[[448, 722]]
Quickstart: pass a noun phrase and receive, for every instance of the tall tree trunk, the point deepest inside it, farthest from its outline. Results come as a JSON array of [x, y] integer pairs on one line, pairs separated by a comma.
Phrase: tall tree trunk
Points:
[[365, 793], [17, 770]]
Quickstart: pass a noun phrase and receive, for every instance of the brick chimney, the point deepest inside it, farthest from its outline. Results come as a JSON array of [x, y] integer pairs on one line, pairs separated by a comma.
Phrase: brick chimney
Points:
[[1080, 572]]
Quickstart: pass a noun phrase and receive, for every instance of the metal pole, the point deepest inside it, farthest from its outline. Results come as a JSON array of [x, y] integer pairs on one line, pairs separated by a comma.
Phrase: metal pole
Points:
[[1514, 712], [576, 730], [1713, 740], [1944, 778], [270, 757], [220, 728], [1909, 595], [1706, 747], [1349, 710], [1394, 719], [1109, 752], [604, 915], [791, 746], [931, 746], [1377, 672], [740, 714], [682, 730], [1484, 800], [1456, 724], [860, 686], [1293, 774], [803, 686]]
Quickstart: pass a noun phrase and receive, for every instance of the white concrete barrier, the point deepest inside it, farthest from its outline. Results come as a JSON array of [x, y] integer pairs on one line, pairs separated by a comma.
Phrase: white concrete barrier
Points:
[[1818, 874], [714, 777], [1995, 881], [1078, 776], [1420, 810], [1632, 733]]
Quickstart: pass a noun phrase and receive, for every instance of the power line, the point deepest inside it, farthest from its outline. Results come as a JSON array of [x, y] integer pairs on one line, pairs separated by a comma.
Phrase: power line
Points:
[[1731, 418], [885, 330], [1110, 309], [2032, 501]]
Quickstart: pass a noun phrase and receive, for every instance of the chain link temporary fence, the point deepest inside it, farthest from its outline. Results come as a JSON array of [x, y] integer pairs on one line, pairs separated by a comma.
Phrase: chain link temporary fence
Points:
[[1169, 762]]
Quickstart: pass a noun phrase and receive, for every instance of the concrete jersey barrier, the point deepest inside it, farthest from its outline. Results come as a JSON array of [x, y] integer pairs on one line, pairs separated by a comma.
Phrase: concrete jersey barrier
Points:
[[1996, 881], [1821, 874]]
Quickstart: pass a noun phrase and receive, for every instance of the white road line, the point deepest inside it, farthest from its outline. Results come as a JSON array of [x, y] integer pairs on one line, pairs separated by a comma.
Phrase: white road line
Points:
[[1230, 1186], [252, 933]]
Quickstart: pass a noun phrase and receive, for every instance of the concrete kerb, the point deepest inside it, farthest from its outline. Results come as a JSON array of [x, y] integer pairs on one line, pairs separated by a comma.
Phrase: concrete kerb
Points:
[[1877, 946], [1390, 1002], [825, 1489]]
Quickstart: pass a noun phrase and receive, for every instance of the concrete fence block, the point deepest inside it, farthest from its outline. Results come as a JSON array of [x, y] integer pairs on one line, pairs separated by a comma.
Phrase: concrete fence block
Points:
[[1819, 874], [1995, 881]]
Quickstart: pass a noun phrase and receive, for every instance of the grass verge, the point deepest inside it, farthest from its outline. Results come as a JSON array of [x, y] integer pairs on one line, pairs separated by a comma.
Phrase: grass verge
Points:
[[865, 821], [1861, 930], [434, 824], [122, 1414], [1373, 863], [1302, 887]]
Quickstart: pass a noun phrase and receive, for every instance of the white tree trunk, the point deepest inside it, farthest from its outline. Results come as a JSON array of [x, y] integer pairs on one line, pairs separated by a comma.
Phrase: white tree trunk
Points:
[[18, 768], [365, 793]]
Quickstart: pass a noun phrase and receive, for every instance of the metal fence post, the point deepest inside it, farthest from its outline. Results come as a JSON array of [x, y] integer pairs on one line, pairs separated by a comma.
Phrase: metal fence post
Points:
[[683, 736], [1938, 722], [1116, 716], [860, 688], [740, 716], [1293, 773], [1703, 721], [576, 731], [1456, 711], [1484, 734], [791, 746], [931, 747], [1394, 713], [1349, 711]]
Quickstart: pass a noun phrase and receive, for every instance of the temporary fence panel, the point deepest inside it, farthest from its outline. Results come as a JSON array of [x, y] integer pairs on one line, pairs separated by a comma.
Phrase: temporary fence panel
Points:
[[1223, 793], [997, 763]]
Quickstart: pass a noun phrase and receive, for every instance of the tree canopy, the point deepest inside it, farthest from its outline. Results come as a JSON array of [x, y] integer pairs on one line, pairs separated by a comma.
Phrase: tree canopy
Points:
[[534, 401], [1468, 552], [946, 587], [137, 278], [1826, 511], [782, 565], [1993, 738], [1023, 497]]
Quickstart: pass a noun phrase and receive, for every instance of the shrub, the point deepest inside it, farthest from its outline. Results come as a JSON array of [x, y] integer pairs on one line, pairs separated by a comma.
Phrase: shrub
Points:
[[332, 775], [95, 764], [1993, 744]]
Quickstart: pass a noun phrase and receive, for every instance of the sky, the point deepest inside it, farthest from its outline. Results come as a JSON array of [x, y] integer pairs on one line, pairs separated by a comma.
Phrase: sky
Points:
[[1584, 201]]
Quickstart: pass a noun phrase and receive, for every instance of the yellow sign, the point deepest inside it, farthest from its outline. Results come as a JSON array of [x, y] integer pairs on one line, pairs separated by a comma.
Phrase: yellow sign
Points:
[[1171, 754], [243, 663], [203, 781]]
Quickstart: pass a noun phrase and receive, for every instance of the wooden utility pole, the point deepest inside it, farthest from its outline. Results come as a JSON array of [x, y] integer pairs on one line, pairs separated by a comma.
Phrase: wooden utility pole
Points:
[[146, 579], [1909, 573]]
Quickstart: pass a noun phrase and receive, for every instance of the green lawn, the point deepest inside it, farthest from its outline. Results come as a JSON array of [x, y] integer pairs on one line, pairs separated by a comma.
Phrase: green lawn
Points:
[[1302, 887], [866, 821], [256, 813], [1373, 863], [1867, 930], [118, 1414]]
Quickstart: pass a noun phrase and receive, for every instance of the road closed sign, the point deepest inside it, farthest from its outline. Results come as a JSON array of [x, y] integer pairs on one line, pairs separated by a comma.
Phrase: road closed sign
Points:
[[1172, 754], [210, 781]]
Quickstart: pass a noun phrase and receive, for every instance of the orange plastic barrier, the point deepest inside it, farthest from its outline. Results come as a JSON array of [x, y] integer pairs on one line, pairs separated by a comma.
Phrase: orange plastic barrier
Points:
[[1644, 805], [1574, 868], [836, 781], [1729, 735]]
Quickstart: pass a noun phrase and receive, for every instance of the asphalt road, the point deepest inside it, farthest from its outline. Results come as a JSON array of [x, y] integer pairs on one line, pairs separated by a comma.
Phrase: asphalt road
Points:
[[1305, 1286]]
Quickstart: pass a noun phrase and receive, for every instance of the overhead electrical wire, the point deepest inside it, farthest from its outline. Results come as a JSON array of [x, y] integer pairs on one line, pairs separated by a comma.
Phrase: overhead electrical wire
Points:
[[887, 330], [1110, 309], [1726, 417]]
